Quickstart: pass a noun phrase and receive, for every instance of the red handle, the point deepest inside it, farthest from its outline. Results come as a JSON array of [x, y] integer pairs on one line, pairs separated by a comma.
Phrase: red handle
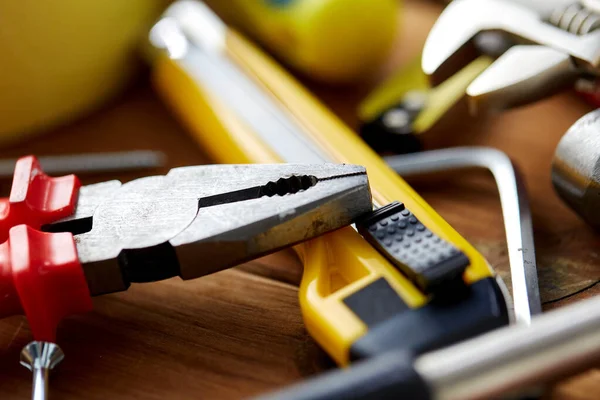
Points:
[[40, 273], [41, 276], [35, 198]]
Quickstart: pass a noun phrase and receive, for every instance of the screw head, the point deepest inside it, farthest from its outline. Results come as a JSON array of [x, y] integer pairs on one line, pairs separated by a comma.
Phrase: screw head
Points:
[[44, 355]]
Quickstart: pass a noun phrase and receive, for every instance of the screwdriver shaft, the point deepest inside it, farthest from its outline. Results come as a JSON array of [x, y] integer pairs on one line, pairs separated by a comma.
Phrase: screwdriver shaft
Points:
[[40, 384]]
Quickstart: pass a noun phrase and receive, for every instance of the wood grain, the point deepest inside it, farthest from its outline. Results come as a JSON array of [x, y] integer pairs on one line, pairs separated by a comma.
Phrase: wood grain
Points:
[[239, 332]]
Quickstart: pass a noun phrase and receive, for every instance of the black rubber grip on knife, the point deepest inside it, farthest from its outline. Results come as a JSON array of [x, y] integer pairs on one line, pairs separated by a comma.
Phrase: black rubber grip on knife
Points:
[[429, 261]]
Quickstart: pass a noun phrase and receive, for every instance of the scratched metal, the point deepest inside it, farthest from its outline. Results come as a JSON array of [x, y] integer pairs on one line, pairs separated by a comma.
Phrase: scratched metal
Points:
[[203, 219], [576, 168]]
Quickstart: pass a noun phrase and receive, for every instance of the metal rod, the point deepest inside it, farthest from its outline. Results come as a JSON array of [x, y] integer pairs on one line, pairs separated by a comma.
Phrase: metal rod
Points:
[[92, 162], [515, 358], [515, 211], [504, 363], [40, 384]]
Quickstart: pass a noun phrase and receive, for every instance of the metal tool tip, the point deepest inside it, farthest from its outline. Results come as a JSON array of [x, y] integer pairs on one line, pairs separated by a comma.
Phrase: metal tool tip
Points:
[[41, 355]]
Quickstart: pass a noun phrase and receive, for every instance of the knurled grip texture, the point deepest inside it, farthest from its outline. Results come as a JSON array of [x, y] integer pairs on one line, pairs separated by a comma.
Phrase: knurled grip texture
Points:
[[425, 258]]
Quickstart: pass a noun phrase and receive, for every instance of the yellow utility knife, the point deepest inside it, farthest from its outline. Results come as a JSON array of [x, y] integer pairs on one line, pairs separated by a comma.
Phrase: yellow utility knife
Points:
[[403, 279]]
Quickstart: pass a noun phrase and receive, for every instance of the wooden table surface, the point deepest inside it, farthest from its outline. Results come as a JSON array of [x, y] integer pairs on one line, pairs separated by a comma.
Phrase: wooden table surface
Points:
[[239, 332]]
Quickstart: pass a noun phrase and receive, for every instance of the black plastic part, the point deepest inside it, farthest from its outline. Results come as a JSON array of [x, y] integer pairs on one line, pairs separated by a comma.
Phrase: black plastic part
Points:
[[281, 187], [76, 226], [392, 130], [149, 264], [389, 376], [385, 140], [429, 261], [439, 323], [376, 302]]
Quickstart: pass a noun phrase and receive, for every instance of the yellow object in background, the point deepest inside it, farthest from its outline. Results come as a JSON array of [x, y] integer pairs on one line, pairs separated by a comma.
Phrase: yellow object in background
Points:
[[335, 41], [403, 107], [64, 58], [412, 79]]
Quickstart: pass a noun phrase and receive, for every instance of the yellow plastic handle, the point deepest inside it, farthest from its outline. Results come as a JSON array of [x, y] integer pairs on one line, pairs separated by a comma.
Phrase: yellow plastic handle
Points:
[[341, 262]]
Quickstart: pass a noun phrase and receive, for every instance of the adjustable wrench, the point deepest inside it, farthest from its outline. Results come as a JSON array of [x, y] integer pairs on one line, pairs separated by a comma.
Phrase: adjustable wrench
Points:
[[555, 43]]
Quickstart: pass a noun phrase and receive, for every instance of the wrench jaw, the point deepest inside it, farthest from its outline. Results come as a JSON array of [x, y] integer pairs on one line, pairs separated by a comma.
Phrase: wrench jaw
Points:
[[524, 74], [542, 57], [226, 235], [454, 36], [450, 45]]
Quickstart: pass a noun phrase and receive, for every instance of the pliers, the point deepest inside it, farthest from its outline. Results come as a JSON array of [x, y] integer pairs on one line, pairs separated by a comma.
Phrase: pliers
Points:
[[63, 243], [542, 46]]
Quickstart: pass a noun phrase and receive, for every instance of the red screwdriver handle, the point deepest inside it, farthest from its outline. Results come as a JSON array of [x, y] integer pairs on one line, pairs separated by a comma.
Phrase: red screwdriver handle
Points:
[[35, 198], [41, 276]]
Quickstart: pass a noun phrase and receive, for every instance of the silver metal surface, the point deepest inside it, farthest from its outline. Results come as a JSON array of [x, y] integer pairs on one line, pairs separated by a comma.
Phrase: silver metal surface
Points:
[[90, 197], [576, 168], [592, 5], [40, 358], [213, 216], [205, 58], [92, 162], [548, 58], [575, 18], [512, 359], [515, 211], [523, 74], [206, 61]]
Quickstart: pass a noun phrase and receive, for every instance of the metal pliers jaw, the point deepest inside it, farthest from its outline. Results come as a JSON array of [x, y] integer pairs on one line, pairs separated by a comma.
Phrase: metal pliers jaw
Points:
[[198, 220], [555, 43]]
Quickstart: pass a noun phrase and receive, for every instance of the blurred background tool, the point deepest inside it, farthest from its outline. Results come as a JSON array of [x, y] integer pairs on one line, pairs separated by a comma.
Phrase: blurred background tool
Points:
[[504, 363], [390, 118], [63, 59], [334, 41], [515, 210], [549, 52], [91, 163], [576, 168], [360, 296], [405, 106], [40, 358]]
